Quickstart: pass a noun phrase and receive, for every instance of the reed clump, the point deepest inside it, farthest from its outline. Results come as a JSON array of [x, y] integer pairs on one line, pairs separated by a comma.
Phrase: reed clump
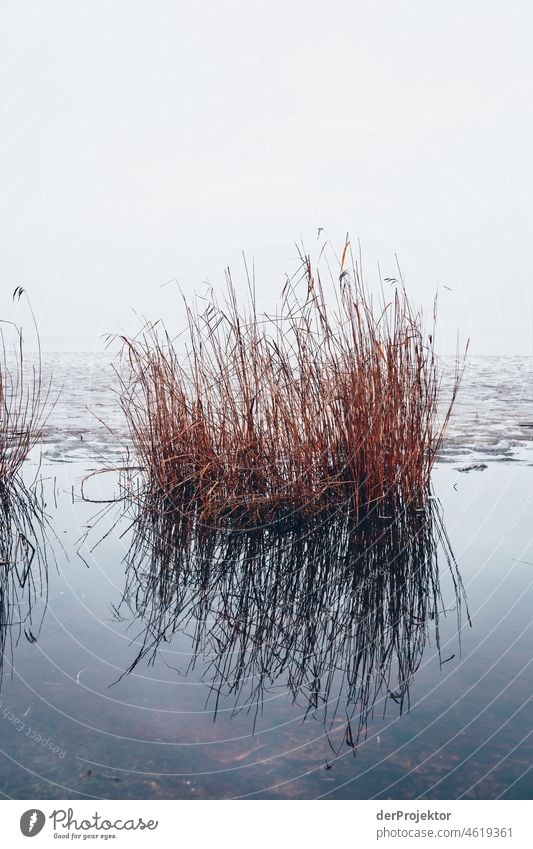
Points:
[[329, 403]]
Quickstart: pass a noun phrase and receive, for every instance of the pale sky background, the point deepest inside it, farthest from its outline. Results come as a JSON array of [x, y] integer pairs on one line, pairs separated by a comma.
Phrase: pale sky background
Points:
[[148, 141]]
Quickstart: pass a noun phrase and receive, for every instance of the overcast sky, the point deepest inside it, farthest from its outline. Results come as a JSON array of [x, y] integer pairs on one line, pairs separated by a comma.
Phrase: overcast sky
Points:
[[143, 142]]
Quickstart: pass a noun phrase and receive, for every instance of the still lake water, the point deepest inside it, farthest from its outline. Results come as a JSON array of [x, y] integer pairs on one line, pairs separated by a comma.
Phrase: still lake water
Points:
[[331, 665]]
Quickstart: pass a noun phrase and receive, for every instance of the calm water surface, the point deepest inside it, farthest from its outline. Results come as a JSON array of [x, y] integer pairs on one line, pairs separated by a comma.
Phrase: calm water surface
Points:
[[326, 664]]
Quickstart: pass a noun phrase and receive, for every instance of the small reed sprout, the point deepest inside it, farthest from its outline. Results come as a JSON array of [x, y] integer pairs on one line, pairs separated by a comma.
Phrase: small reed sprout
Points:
[[331, 403]]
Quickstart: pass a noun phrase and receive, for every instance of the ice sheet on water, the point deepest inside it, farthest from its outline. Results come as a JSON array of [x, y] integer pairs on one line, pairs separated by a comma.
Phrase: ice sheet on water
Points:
[[492, 418], [84, 418]]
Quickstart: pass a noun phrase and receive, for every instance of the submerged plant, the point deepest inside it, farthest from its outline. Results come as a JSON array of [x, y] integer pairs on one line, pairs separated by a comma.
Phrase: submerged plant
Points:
[[260, 418]]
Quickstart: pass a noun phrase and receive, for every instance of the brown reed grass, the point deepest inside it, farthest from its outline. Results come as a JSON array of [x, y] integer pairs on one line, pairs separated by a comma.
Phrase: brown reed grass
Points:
[[312, 409]]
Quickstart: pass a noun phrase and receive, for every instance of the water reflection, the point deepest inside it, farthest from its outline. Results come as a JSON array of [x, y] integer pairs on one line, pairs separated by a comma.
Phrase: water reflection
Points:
[[337, 614], [23, 566]]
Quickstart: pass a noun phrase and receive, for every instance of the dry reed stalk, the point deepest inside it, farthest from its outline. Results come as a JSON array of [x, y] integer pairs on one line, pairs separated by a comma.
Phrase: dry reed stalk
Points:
[[23, 400], [290, 415]]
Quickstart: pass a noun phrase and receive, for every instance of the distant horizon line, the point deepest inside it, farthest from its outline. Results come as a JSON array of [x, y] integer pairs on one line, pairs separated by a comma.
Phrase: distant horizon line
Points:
[[96, 344]]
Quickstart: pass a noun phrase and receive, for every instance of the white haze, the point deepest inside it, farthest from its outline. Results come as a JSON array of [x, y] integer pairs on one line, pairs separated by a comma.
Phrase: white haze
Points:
[[147, 142]]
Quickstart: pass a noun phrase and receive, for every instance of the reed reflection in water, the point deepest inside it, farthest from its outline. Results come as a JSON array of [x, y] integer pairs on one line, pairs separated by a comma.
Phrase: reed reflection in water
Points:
[[23, 565], [337, 613]]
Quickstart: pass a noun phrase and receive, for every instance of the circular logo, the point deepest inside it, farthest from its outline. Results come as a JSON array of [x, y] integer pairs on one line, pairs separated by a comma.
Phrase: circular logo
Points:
[[32, 822]]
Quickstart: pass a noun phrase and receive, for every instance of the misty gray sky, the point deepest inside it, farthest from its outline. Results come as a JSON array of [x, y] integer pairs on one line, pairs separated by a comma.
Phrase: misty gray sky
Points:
[[148, 141]]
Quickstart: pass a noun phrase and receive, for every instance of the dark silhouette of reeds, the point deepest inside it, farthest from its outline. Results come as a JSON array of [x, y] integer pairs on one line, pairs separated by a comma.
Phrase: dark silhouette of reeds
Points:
[[339, 614], [23, 564], [265, 417], [23, 401]]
